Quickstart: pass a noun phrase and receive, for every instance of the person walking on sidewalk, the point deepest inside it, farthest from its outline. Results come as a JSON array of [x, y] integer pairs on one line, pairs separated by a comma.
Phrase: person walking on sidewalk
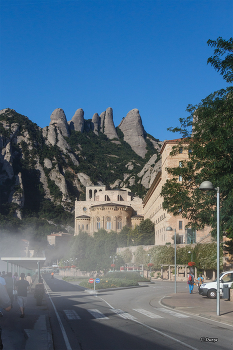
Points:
[[2, 283], [5, 303], [190, 282], [22, 286], [9, 286], [29, 279], [200, 280]]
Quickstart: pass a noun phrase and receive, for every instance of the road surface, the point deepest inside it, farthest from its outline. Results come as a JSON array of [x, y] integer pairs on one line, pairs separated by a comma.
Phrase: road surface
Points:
[[127, 319]]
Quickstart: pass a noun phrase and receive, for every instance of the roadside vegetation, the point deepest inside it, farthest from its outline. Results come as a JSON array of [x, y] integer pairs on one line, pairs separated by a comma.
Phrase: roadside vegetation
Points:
[[207, 136], [112, 279]]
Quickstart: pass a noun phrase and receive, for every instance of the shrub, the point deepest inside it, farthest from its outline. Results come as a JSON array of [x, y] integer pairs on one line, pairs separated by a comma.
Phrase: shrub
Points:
[[109, 283]]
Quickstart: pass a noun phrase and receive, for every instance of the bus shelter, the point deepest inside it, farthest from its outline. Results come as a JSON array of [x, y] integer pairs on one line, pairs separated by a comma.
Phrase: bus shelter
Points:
[[24, 264]]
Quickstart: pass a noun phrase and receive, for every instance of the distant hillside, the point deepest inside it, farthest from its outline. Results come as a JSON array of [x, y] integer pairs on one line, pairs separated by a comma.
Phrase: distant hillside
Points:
[[43, 171]]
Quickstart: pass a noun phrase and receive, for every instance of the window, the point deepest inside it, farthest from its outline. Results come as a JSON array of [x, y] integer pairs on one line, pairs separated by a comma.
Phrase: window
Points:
[[228, 278], [180, 225], [119, 223], [180, 164], [181, 150], [87, 227], [180, 177], [98, 223], [108, 224]]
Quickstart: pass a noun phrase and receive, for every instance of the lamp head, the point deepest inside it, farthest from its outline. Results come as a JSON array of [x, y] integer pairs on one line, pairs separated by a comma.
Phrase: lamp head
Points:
[[169, 228], [206, 186]]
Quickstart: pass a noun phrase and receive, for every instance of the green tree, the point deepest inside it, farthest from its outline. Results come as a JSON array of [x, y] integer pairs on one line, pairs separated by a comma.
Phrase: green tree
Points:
[[122, 236], [207, 135], [147, 232]]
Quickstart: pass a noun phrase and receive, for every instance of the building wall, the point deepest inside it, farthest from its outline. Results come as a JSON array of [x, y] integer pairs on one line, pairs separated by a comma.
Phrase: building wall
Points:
[[153, 202], [108, 208]]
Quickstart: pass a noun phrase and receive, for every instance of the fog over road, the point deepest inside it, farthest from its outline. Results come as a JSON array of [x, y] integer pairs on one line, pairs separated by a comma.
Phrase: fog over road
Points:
[[127, 319]]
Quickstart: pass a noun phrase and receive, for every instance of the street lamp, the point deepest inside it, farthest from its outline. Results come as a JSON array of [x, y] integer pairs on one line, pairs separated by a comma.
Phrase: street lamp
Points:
[[169, 228], [208, 186], [189, 252], [113, 260]]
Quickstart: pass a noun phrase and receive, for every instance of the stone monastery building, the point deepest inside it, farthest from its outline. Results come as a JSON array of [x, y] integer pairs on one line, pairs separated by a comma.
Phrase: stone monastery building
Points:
[[108, 209], [113, 209]]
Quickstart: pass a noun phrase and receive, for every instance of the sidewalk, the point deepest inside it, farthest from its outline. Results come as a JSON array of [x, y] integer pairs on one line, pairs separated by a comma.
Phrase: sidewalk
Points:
[[198, 305], [32, 331]]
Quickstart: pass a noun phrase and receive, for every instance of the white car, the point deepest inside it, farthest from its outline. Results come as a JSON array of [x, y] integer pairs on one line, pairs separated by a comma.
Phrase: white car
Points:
[[210, 289]]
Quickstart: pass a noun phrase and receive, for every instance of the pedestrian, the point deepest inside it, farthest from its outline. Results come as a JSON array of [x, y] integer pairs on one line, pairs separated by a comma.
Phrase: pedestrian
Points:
[[2, 283], [5, 303], [190, 282], [200, 280], [22, 286], [29, 279], [9, 286]]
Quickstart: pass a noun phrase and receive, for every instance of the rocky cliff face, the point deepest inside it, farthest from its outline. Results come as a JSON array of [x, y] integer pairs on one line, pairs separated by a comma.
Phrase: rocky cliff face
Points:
[[134, 133], [56, 163]]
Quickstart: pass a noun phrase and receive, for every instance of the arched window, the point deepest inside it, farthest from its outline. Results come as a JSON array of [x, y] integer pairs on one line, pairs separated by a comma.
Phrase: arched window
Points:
[[90, 194], [108, 223], [119, 223], [98, 223]]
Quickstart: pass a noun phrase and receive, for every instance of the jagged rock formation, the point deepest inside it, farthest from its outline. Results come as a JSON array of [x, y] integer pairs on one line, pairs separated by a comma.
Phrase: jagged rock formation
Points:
[[77, 122], [54, 164], [149, 171], [58, 118], [109, 128], [134, 133], [96, 123]]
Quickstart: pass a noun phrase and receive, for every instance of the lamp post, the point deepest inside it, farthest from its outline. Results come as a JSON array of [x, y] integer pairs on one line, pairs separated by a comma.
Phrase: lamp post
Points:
[[169, 228], [113, 260], [208, 186], [150, 264]]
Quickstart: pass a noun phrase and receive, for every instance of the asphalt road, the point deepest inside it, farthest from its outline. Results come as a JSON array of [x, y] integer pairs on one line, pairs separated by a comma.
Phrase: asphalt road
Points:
[[127, 319]]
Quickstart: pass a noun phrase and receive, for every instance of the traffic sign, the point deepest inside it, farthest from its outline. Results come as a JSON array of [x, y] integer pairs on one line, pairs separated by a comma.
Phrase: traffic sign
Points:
[[91, 280], [97, 280]]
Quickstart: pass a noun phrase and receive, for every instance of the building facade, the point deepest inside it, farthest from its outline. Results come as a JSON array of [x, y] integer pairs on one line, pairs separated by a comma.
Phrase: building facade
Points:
[[113, 209], [107, 209], [153, 204]]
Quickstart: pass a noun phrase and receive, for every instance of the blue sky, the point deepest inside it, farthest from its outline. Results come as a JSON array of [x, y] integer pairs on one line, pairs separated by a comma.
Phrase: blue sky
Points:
[[150, 55]]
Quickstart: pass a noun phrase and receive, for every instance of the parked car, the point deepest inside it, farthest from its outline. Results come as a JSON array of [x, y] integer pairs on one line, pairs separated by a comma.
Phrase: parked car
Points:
[[210, 289]]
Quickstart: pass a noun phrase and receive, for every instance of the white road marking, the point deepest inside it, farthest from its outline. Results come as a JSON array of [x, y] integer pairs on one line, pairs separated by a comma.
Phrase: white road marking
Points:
[[148, 313], [123, 314], [155, 330], [68, 347], [97, 314], [72, 315], [173, 313]]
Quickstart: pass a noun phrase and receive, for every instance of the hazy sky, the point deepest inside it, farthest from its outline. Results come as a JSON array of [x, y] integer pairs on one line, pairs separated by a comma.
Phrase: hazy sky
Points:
[[125, 54]]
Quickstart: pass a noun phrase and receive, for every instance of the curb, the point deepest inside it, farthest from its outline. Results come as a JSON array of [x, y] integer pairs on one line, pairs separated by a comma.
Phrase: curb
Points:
[[207, 317]]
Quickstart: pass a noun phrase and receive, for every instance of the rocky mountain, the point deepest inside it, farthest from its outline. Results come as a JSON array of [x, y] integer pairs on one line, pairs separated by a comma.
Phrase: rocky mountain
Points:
[[43, 171]]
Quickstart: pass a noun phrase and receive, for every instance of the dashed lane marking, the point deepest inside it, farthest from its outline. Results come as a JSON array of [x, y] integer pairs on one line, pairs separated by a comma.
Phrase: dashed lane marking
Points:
[[148, 313], [123, 314], [97, 314], [173, 313], [72, 315]]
